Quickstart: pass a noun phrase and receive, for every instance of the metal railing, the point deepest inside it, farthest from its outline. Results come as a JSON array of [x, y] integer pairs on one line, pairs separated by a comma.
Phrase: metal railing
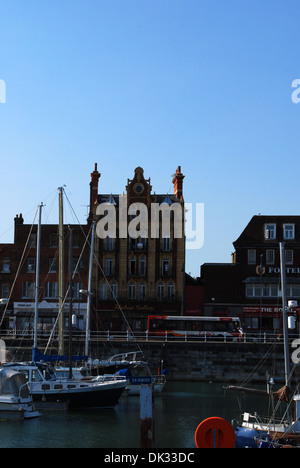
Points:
[[144, 336]]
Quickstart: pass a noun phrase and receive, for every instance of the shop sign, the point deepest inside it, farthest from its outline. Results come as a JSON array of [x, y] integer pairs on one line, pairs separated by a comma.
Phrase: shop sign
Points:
[[289, 270], [266, 309], [135, 308]]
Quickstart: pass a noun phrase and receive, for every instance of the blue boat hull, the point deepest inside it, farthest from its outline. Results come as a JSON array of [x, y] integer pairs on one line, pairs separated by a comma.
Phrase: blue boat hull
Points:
[[251, 438]]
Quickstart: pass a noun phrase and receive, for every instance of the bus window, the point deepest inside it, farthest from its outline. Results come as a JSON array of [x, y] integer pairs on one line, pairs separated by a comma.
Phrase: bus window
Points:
[[207, 326], [221, 326], [155, 325]]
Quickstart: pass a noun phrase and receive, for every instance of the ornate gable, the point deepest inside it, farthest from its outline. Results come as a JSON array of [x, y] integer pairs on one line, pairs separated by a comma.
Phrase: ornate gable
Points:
[[139, 189]]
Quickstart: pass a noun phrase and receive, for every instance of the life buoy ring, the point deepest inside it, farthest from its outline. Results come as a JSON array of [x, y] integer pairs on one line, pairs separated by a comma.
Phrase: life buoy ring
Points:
[[215, 433]]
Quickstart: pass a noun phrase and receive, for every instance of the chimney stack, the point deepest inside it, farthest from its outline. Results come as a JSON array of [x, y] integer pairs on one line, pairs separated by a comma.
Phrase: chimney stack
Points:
[[95, 176], [19, 219], [178, 183]]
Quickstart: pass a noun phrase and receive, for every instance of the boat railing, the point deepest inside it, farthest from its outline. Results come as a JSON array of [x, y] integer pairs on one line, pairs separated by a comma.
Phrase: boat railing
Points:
[[264, 420], [131, 356], [159, 379], [24, 392]]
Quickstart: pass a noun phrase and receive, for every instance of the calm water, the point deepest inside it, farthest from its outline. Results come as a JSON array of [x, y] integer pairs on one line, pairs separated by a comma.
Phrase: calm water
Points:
[[179, 409]]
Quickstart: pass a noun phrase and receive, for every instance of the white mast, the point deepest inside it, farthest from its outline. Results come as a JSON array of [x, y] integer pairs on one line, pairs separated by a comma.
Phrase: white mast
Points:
[[37, 276], [61, 272], [89, 293], [284, 313]]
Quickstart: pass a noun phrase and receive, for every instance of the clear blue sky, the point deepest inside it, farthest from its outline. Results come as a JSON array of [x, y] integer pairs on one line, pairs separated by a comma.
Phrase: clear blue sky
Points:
[[158, 83]]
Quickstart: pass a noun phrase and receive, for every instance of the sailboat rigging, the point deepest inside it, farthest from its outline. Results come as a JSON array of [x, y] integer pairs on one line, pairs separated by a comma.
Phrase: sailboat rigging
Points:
[[44, 385], [253, 431]]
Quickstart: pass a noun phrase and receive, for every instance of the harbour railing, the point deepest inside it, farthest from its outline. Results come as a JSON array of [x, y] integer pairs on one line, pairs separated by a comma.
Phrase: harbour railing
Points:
[[144, 336]]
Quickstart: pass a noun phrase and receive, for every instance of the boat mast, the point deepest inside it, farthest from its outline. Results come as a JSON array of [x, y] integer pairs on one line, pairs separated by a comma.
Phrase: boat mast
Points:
[[89, 293], [37, 276], [61, 272], [284, 313], [71, 298]]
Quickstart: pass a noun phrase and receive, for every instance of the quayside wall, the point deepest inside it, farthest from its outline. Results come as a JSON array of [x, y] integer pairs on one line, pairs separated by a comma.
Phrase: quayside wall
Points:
[[191, 361]]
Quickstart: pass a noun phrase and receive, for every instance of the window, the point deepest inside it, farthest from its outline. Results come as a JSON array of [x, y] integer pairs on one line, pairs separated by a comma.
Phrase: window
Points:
[[160, 292], [103, 291], [171, 292], [142, 292], [109, 266], [131, 291], [109, 244], [251, 323], [143, 266], [76, 288], [257, 290], [274, 292], [53, 240], [132, 266], [268, 290], [295, 290], [251, 256], [28, 290], [137, 324], [6, 265], [113, 291], [270, 231], [53, 265], [76, 240], [32, 241], [51, 290], [289, 231], [166, 267], [31, 265], [5, 291], [289, 257], [141, 243], [166, 244], [36, 377], [132, 243], [249, 290], [75, 265], [270, 257]]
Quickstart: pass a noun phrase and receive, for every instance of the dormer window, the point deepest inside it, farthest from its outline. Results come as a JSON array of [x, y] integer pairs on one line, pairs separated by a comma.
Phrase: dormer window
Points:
[[270, 231], [289, 231]]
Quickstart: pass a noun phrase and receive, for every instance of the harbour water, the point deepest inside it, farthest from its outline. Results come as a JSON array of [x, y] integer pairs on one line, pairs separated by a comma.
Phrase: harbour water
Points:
[[179, 409]]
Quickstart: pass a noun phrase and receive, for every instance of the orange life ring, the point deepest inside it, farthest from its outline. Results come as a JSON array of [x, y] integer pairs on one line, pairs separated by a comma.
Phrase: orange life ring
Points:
[[215, 433]]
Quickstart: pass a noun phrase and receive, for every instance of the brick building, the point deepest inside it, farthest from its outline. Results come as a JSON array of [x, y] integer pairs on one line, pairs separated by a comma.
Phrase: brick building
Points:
[[250, 286], [18, 275], [143, 274], [133, 276]]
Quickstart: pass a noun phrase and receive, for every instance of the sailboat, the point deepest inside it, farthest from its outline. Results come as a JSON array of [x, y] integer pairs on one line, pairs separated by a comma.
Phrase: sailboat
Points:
[[44, 385], [130, 365], [15, 400], [256, 432]]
